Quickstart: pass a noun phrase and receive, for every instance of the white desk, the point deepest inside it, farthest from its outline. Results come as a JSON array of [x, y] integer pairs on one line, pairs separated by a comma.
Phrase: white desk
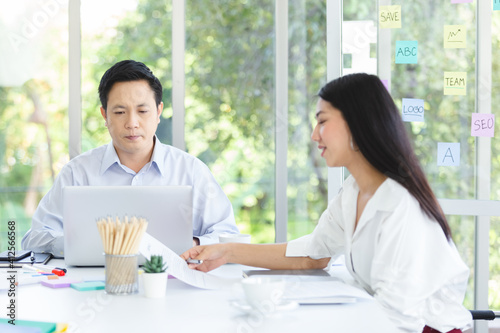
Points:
[[184, 309]]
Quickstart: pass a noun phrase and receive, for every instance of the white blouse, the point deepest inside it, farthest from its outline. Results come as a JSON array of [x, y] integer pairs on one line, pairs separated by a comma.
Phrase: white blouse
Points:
[[397, 253]]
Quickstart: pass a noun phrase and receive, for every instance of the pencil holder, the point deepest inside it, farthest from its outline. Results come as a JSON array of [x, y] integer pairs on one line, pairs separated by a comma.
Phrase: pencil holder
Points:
[[121, 274]]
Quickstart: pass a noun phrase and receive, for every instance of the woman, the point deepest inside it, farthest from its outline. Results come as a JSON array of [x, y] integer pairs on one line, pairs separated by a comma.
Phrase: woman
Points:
[[385, 220]]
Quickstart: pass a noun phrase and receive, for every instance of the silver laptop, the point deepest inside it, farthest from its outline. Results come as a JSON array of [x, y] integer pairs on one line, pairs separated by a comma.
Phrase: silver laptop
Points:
[[168, 210]]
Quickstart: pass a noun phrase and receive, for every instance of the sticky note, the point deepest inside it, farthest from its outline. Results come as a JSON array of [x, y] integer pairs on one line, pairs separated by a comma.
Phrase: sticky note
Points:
[[455, 83], [454, 37], [9, 328], [85, 286], [448, 154], [41, 326], [390, 17], [386, 84], [496, 4], [60, 283], [483, 124], [413, 109], [406, 51]]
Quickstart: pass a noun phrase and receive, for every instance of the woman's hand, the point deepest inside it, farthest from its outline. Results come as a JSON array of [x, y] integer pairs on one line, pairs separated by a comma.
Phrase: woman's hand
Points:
[[213, 256]]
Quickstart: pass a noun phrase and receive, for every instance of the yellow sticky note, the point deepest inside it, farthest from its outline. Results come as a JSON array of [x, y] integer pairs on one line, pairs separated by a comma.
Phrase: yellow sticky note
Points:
[[61, 327], [455, 83], [390, 17], [455, 36]]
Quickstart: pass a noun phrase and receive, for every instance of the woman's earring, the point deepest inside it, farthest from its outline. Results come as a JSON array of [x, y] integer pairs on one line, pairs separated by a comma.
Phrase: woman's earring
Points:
[[352, 146]]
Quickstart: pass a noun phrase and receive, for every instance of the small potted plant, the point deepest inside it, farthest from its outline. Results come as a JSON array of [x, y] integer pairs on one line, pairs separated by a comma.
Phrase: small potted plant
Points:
[[155, 277]]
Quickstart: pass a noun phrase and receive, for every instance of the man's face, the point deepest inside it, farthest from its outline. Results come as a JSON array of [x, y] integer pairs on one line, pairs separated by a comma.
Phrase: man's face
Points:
[[132, 117]]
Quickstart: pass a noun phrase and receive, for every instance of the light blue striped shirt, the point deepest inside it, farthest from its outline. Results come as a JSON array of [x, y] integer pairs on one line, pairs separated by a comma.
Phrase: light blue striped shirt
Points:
[[212, 210]]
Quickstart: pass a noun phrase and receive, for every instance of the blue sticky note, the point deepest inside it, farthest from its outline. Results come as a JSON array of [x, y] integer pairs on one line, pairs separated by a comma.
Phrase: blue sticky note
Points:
[[85, 286], [496, 4], [9, 328], [448, 154], [413, 109], [406, 52]]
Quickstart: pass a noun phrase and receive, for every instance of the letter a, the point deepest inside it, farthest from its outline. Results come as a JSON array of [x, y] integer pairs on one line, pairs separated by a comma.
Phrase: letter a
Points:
[[450, 155]]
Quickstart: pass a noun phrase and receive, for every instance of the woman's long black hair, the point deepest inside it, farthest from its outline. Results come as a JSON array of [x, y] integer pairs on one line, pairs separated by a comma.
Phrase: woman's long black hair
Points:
[[379, 133]]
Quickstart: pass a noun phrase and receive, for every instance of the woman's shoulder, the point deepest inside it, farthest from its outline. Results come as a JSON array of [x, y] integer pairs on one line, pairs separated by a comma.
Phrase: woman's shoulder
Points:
[[396, 190], [403, 208], [393, 196]]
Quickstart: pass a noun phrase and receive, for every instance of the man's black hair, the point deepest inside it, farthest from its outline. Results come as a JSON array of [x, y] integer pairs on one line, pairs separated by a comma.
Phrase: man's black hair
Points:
[[128, 70]]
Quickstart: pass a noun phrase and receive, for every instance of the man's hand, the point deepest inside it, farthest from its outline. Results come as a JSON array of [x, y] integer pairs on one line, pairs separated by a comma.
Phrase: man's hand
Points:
[[213, 256]]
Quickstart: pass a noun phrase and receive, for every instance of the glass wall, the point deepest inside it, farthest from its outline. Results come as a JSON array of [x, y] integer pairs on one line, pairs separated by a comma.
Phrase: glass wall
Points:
[[117, 30], [359, 37], [229, 104], [307, 189], [494, 285], [33, 106]]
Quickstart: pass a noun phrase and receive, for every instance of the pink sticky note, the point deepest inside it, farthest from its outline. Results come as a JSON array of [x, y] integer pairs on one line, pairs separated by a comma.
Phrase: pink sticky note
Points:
[[386, 84], [483, 124]]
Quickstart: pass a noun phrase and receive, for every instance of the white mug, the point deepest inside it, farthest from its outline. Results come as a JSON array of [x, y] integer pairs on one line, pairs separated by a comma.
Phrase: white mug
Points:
[[234, 238], [263, 293]]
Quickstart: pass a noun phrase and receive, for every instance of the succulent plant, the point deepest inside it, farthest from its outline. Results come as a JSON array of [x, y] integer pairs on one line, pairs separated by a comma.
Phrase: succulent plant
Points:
[[155, 264]]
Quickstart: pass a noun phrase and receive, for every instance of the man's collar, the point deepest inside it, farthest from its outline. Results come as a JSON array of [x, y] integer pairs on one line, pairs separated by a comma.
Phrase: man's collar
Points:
[[111, 157], [157, 158]]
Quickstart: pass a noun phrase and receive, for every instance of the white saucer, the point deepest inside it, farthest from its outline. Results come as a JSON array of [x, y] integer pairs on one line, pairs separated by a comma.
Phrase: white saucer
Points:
[[284, 305]]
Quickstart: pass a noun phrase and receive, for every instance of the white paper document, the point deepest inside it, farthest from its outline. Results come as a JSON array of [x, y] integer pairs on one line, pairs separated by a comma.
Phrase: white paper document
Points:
[[323, 292], [178, 268]]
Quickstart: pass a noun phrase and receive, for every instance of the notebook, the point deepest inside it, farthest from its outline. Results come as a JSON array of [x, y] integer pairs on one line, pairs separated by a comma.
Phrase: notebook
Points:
[[40, 258], [168, 210]]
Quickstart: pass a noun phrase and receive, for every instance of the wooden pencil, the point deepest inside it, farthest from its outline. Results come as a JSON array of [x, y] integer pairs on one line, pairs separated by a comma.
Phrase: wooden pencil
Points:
[[121, 238]]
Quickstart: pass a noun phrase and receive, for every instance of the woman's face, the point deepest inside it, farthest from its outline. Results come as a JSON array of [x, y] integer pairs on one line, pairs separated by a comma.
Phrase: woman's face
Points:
[[332, 135]]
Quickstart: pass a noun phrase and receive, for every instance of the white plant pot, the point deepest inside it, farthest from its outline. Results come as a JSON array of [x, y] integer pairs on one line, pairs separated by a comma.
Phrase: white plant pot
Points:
[[155, 284]]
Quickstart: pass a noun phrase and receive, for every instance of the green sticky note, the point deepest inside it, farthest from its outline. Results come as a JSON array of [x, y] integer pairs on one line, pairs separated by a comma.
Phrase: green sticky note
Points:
[[85, 286], [43, 327]]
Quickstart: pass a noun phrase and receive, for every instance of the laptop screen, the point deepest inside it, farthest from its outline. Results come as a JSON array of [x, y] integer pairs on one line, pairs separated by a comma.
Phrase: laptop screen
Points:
[[168, 210]]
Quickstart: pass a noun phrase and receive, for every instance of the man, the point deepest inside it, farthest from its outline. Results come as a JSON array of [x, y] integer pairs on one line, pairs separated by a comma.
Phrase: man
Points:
[[131, 107]]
